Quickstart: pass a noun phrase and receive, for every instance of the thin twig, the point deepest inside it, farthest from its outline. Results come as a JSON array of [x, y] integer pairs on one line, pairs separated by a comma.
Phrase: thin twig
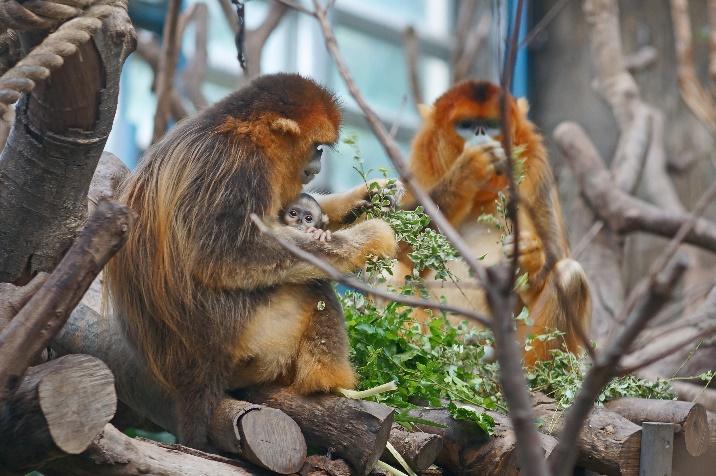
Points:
[[410, 42], [167, 66], [357, 284], [298, 7], [543, 23], [587, 238], [506, 131], [667, 352]]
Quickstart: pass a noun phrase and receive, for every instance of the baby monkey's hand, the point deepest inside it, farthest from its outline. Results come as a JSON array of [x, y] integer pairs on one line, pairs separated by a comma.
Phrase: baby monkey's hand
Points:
[[319, 235]]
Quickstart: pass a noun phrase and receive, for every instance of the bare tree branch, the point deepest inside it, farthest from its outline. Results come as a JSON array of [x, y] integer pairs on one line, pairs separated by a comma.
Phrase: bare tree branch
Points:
[[410, 42], [195, 70], [622, 212], [693, 93], [167, 66], [148, 48], [462, 66]]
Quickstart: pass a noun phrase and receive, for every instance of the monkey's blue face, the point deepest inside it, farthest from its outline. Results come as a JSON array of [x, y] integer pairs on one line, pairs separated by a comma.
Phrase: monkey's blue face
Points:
[[468, 128]]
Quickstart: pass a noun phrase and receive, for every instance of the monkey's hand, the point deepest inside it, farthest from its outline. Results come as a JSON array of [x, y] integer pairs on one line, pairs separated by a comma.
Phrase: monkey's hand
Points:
[[320, 235], [532, 257], [487, 159]]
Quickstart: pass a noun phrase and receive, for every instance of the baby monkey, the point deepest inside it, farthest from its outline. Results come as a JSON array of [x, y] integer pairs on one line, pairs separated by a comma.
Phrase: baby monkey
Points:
[[305, 214]]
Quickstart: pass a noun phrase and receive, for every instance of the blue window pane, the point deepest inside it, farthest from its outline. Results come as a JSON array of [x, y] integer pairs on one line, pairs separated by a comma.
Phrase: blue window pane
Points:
[[377, 67]]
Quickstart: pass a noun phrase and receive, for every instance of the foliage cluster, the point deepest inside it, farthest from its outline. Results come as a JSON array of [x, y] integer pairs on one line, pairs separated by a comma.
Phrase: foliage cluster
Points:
[[441, 364]]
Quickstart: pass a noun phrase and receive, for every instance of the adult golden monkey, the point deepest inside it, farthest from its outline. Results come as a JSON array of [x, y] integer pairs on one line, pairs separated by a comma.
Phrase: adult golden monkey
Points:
[[209, 302], [465, 179]]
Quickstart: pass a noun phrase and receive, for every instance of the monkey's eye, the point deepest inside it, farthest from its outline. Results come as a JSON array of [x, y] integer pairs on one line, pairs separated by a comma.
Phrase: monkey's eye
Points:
[[292, 213], [467, 125], [308, 218], [318, 152]]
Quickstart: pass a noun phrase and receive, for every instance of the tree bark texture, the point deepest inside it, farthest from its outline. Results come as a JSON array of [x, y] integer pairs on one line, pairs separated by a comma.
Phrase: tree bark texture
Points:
[[52, 151]]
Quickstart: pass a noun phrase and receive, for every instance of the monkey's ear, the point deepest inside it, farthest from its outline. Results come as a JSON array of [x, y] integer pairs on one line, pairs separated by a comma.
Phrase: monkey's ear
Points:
[[425, 111], [284, 125], [523, 106]]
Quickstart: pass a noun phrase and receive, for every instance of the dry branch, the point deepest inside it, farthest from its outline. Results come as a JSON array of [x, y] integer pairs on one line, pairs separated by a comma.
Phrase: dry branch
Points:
[[58, 409], [46, 312], [149, 49], [696, 393], [13, 298], [696, 97], [691, 418], [195, 70], [166, 68], [355, 430], [410, 43], [114, 454], [622, 212]]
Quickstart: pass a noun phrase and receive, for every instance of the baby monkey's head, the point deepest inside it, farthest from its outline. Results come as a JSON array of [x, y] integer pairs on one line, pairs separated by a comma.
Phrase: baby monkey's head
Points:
[[304, 213]]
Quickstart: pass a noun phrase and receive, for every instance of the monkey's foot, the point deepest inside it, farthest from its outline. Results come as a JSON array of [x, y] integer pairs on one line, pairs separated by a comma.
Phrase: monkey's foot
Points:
[[532, 258], [320, 377]]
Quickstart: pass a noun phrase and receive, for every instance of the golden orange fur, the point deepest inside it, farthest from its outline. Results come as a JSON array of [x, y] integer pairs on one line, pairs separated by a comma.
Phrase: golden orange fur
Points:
[[209, 302], [464, 182]]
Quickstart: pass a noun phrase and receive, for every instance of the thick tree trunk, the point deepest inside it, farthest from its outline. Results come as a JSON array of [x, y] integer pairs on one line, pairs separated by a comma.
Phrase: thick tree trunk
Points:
[[53, 149], [59, 408]]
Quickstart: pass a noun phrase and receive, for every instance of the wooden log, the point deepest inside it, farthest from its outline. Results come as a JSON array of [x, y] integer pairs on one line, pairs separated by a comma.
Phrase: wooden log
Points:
[[46, 312], [418, 449], [467, 450], [115, 454], [608, 444], [58, 409], [355, 430], [91, 332], [264, 436], [696, 393], [691, 418]]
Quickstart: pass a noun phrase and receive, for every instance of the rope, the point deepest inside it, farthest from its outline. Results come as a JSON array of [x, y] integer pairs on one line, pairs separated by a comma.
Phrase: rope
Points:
[[49, 54], [39, 14]]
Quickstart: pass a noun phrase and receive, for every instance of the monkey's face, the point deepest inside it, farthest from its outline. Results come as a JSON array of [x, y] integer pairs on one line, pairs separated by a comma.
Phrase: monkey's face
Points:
[[301, 217], [469, 109]]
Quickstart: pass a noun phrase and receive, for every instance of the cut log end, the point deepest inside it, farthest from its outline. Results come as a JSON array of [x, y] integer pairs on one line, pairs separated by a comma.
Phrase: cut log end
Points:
[[93, 384], [264, 436], [271, 439], [690, 417]]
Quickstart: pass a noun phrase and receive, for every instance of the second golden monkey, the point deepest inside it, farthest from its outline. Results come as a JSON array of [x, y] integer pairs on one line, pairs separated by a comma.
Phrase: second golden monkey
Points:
[[465, 180]]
